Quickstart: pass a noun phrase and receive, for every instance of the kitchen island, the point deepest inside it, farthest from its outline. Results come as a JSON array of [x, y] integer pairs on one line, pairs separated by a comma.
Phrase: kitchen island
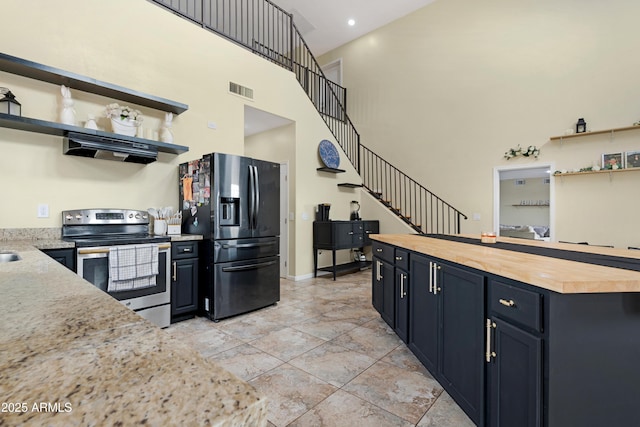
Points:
[[72, 355], [517, 338]]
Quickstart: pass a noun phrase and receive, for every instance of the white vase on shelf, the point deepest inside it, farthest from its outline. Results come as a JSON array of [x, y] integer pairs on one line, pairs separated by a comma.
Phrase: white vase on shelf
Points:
[[124, 127], [91, 122]]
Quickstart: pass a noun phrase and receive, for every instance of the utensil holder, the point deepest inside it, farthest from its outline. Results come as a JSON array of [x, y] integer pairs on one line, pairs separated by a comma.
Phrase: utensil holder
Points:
[[160, 227]]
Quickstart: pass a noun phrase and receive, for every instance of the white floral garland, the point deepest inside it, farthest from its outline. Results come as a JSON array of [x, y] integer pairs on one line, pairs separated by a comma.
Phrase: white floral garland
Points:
[[531, 150]]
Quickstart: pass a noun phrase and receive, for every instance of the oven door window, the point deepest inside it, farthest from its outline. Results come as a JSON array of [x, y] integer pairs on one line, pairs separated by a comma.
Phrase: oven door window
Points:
[[96, 271]]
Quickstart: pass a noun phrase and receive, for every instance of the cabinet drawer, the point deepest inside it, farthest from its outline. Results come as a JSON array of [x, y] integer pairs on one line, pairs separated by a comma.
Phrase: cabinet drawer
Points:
[[187, 249], [383, 251], [401, 259], [519, 305]]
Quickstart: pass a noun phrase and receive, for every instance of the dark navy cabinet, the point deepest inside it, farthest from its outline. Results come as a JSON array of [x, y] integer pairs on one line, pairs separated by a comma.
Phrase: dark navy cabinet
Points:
[[462, 313], [338, 235], [383, 283], [514, 375], [184, 280], [446, 328], [424, 312], [513, 354], [401, 289]]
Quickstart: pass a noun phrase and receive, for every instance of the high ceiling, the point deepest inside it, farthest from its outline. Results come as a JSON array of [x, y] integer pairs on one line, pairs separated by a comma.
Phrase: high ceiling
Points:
[[323, 23]]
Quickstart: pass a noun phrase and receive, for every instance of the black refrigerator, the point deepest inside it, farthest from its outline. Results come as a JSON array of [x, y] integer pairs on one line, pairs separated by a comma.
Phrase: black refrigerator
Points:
[[234, 202]]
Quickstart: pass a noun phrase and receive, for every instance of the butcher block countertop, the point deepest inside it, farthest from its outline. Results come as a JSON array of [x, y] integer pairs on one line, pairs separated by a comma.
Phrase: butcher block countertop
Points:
[[567, 277], [71, 355]]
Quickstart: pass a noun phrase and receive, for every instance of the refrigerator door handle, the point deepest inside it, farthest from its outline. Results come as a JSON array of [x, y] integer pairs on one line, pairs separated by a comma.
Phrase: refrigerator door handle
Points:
[[257, 192], [248, 267], [247, 245], [252, 198]]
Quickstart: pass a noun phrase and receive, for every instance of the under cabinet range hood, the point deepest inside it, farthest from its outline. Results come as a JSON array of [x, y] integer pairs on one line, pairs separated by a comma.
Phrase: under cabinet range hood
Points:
[[100, 147]]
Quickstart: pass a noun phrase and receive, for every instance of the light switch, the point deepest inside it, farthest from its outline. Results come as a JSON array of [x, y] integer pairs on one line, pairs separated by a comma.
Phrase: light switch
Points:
[[43, 211]]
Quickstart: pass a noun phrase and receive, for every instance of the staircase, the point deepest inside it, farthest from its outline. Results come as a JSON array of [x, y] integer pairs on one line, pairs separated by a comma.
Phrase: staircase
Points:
[[269, 31]]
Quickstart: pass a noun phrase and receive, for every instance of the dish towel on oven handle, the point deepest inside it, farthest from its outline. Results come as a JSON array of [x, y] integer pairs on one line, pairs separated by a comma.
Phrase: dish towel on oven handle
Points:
[[132, 267]]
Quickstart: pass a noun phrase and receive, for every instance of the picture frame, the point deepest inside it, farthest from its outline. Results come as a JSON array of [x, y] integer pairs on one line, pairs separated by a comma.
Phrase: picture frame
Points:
[[610, 159], [632, 159]]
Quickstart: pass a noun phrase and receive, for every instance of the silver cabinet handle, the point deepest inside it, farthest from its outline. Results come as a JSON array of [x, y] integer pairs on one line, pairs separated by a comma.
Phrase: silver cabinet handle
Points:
[[398, 258], [403, 293], [175, 272], [379, 250], [489, 354], [430, 277], [378, 273], [436, 289]]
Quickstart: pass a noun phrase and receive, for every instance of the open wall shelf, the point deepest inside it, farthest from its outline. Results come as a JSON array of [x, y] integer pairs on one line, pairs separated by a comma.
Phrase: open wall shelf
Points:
[[595, 132], [59, 129], [609, 171], [349, 185], [22, 67], [331, 170]]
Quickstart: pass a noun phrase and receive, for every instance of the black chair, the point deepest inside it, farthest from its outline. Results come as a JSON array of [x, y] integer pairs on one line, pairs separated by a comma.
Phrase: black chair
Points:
[[633, 247]]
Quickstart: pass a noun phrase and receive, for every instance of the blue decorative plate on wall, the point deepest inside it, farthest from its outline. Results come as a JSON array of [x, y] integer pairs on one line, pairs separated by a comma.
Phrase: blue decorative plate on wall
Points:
[[329, 154]]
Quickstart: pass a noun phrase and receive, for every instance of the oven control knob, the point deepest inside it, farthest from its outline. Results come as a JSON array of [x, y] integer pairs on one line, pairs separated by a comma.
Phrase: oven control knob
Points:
[[137, 216], [130, 215], [78, 217], [68, 217]]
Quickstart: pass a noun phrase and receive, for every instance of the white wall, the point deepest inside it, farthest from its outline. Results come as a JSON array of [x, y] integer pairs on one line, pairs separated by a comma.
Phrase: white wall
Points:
[[141, 46], [445, 91]]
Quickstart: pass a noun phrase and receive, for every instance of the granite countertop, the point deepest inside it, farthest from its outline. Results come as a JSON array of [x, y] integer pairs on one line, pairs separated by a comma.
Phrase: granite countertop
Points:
[[72, 355], [553, 274]]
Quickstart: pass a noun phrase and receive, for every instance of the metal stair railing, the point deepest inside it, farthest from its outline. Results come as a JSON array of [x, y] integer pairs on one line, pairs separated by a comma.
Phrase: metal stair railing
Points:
[[269, 31], [421, 209]]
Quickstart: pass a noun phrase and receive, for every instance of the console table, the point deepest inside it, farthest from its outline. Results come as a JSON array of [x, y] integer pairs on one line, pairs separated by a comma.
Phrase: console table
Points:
[[337, 235]]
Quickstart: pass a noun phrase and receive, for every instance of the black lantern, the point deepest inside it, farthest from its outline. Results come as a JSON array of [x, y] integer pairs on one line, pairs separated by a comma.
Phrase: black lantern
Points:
[[581, 126], [9, 104]]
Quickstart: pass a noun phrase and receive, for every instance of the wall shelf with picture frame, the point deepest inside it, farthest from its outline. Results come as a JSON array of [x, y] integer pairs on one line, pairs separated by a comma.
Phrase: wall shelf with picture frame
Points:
[[609, 171], [612, 162]]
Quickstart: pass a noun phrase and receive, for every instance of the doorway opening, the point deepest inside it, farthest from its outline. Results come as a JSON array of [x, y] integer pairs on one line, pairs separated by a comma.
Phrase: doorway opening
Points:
[[523, 202], [333, 71]]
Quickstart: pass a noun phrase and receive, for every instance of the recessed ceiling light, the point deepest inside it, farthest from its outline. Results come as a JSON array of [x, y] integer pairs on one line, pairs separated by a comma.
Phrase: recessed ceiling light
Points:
[[351, 22]]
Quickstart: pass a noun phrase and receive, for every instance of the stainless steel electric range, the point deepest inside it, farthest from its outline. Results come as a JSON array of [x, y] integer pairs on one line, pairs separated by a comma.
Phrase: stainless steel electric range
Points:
[[101, 237]]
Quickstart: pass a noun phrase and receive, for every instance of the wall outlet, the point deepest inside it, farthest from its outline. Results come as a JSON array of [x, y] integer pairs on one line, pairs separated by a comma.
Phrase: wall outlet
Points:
[[212, 125], [476, 216], [43, 211]]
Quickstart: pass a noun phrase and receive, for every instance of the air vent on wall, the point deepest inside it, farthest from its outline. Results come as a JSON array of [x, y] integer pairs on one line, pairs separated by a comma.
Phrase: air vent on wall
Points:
[[520, 182], [547, 180], [243, 91]]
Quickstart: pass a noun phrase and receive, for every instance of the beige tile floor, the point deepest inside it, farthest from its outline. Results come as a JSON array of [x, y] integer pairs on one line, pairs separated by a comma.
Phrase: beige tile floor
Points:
[[323, 357]]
